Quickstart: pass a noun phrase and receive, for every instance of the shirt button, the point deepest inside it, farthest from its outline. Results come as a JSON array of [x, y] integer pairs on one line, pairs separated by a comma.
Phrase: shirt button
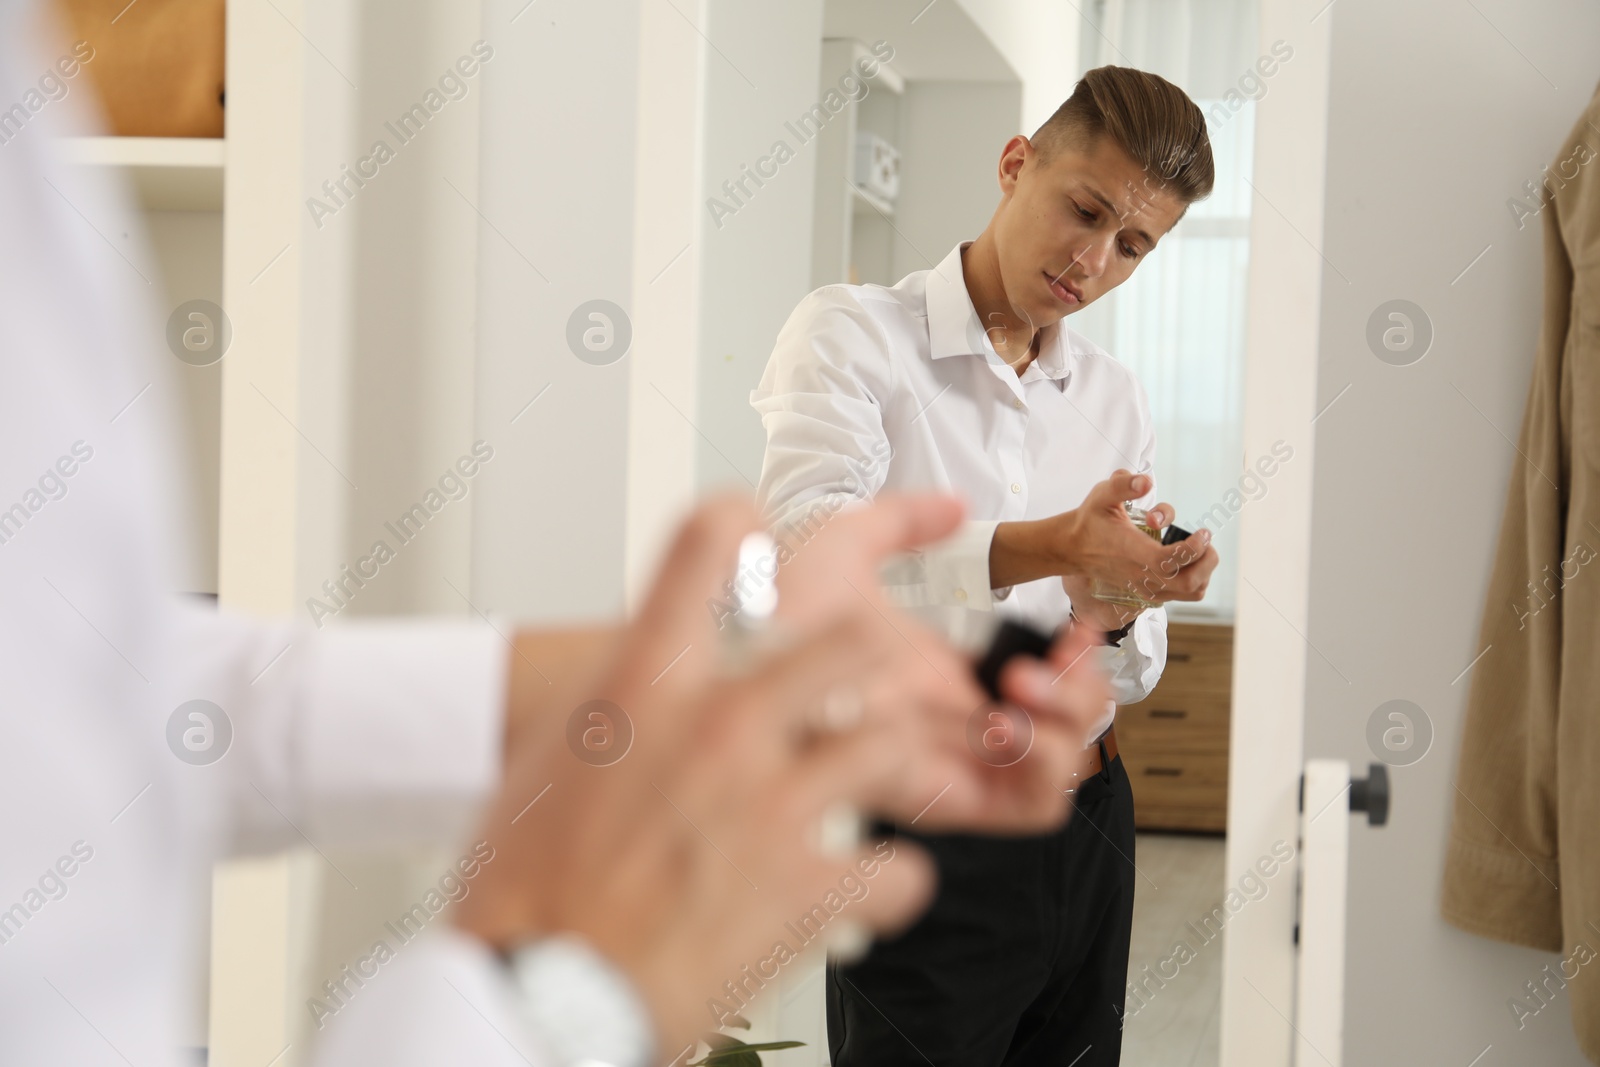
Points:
[[1016, 402], [1015, 488], [961, 595]]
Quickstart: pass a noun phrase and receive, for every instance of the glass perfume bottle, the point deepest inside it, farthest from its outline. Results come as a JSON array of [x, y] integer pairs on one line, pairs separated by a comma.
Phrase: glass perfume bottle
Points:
[[1128, 595]]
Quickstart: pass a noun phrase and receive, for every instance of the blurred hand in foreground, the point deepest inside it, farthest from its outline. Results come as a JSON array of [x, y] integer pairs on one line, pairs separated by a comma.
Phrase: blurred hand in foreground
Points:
[[681, 846]]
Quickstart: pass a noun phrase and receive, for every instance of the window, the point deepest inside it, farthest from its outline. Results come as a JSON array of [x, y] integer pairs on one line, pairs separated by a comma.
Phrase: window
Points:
[[1179, 322]]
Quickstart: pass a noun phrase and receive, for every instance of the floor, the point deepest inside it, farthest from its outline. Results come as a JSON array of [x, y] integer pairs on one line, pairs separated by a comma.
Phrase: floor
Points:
[[1175, 1022]]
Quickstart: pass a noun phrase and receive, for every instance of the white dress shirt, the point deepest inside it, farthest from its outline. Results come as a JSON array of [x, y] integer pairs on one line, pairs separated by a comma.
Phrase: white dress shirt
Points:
[[873, 389], [360, 735]]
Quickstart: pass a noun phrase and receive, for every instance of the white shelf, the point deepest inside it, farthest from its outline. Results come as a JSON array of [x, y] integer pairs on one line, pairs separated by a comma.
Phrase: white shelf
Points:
[[865, 201], [167, 173]]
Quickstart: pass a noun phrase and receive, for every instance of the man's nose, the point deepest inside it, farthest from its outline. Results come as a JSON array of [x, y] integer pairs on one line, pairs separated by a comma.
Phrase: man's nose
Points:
[[1092, 258]]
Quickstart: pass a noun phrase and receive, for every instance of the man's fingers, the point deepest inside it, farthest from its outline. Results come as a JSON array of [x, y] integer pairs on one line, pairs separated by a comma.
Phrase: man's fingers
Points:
[[1123, 485], [1178, 555], [851, 547], [702, 558], [895, 523], [1194, 578], [1071, 646], [958, 791], [1076, 694], [869, 767], [895, 893], [798, 686], [1182, 570]]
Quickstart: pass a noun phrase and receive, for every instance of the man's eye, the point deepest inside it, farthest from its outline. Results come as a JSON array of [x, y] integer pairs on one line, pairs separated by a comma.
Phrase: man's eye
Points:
[[1131, 253], [1087, 216]]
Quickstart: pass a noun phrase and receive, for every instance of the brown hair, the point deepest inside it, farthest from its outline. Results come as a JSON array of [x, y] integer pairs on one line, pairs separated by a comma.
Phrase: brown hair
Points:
[[1153, 120]]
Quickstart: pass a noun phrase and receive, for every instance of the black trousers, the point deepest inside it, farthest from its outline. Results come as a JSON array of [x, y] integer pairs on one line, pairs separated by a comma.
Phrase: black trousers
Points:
[[1022, 960]]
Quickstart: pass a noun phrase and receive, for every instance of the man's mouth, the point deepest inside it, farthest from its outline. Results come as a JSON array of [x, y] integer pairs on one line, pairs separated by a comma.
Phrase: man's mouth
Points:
[[1065, 292]]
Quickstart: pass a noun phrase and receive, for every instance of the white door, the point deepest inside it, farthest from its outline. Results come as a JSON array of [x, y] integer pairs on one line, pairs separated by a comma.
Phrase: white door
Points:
[[1383, 171], [1270, 652]]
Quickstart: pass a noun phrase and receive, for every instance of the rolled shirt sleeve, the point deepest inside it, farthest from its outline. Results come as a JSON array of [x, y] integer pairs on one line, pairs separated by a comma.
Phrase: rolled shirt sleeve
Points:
[[1136, 664], [820, 402]]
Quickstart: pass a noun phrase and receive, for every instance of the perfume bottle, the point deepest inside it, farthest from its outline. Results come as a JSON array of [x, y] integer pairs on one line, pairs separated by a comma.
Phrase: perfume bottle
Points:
[[1128, 595]]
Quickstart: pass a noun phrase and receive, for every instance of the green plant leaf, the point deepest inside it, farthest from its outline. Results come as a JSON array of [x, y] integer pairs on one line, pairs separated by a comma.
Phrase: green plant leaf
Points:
[[731, 1052], [732, 1058]]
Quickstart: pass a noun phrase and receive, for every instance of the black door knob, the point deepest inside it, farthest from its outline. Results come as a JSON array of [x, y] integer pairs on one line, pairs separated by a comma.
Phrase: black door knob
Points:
[[1371, 794]]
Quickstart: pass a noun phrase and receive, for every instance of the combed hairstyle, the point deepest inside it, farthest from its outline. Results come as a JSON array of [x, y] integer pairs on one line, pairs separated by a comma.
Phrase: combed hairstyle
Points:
[[1153, 120]]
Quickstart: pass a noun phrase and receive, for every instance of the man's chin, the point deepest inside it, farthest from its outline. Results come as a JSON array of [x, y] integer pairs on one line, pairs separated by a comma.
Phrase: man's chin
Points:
[[1048, 312], [1060, 310]]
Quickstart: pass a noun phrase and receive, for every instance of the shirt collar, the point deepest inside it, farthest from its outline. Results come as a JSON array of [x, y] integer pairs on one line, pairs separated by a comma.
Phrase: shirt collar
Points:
[[954, 328]]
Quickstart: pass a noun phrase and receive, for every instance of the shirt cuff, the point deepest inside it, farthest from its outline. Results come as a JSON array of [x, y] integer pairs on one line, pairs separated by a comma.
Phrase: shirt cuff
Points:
[[403, 732], [1136, 664], [951, 574]]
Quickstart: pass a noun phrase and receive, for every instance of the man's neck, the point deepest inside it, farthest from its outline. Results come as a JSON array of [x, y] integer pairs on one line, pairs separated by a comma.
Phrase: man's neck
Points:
[[1015, 339]]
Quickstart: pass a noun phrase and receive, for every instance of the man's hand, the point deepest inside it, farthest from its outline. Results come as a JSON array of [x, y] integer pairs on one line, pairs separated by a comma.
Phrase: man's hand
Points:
[[682, 854], [1097, 542], [1012, 783], [927, 694], [1090, 612]]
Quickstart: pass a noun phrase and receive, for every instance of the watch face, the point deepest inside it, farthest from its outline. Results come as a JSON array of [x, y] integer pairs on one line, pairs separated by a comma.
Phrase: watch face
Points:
[[584, 1009]]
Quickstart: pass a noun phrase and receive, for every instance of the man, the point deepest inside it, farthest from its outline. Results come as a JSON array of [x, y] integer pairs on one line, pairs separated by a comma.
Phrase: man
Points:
[[965, 377], [145, 738]]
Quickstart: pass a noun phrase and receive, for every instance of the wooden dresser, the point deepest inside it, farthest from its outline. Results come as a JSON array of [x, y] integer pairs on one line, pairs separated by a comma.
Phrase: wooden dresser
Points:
[[1174, 742]]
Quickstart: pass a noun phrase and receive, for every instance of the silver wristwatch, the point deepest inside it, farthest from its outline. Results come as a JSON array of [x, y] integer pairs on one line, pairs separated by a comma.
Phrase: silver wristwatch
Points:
[[579, 1006]]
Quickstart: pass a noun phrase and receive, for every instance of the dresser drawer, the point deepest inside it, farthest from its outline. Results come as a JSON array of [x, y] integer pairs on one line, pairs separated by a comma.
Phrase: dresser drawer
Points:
[[1170, 720], [1178, 792], [1174, 742], [1199, 658]]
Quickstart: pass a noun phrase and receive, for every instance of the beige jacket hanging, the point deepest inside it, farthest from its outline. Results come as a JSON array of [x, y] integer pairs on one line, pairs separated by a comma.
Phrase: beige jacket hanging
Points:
[[1523, 863]]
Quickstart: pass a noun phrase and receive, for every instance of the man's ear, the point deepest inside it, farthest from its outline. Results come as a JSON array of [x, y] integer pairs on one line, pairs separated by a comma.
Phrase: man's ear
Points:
[[1018, 152]]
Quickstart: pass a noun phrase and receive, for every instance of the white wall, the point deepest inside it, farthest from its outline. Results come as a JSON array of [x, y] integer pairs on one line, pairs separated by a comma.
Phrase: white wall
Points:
[[1039, 40], [188, 247], [425, 315], [1438, 113], [347, 393], [951, 135], [387, 385], [755, 265], [413, 250], [557, 188], [666, 309]]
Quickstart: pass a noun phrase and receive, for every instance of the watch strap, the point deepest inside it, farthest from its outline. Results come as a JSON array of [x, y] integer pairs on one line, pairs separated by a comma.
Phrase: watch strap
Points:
[[579, 1005], [1114, 637]]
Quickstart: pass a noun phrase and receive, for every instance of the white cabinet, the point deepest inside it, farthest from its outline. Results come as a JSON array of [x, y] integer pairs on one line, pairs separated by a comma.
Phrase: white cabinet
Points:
[[177, 183], [853, 231]]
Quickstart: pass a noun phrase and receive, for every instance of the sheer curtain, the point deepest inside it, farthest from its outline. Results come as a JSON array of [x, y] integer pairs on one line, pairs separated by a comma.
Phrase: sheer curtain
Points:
[[1179, 321]]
